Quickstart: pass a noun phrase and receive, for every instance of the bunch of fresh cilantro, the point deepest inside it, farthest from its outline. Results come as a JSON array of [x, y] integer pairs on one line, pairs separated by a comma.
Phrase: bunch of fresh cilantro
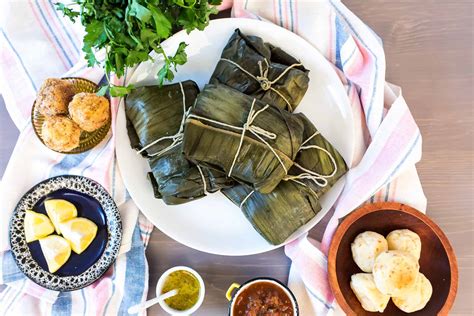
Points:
[[128, 30]]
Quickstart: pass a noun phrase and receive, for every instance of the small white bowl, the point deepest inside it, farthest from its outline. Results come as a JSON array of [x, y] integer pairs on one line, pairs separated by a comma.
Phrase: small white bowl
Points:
[[173, 311]]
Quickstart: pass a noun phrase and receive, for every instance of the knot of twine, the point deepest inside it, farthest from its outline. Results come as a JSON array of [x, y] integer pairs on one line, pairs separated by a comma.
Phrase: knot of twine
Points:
[[259, 132], [319, 179], [175, 139], [265, 84], [262, 78], [310, 175]]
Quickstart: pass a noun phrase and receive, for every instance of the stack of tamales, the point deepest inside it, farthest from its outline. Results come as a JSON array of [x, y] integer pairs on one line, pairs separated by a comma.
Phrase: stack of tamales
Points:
[[156, 113], [238, 135], [281, 179], [213, 135], [249, 65], [294, 202]]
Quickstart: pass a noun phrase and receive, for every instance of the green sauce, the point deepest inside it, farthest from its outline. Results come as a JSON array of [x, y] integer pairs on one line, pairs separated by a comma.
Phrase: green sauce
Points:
[[188, 290]]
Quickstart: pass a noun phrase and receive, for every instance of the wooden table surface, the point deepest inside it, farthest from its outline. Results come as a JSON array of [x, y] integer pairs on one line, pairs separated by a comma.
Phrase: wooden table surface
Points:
[[429, 51]]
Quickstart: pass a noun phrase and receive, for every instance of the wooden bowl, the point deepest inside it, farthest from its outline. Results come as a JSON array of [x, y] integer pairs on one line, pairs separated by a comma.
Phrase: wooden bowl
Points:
[[437, 262]]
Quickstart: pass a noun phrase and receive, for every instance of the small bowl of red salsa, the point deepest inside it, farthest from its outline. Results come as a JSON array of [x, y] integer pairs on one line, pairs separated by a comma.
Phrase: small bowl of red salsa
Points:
[[261, 296]]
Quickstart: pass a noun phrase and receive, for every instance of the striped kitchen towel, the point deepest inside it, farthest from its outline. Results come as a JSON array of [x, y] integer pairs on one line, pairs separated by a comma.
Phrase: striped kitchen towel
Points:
[[388, 141], [36, 42]]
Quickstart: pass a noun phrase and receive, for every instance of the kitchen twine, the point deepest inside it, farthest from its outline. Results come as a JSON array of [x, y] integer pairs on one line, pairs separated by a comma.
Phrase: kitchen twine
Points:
[[318, 179], [259, 132], [176, 140], [263, 80], [202, 178]]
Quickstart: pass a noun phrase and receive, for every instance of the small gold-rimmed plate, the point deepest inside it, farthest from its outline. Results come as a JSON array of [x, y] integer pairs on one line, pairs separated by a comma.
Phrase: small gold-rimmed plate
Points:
[[88, 140]]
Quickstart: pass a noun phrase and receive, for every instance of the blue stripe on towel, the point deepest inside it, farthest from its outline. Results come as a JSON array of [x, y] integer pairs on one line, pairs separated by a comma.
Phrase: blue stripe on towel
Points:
[[341, 38], [19, 58], [10, 271], [279, 12], [67, 163], [18, 293], [51, 30], [113, 288], [407, 154], [134, 274], [329, 307], [376, 72], [62, 306], [73, 42]]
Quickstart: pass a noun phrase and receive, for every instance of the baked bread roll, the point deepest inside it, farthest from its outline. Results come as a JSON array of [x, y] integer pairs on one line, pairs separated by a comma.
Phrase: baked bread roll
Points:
[[417, 297], [371, 299], [54, 96], [395, 272], [60, 133], [405, 240], [366, 247], [89, 111]]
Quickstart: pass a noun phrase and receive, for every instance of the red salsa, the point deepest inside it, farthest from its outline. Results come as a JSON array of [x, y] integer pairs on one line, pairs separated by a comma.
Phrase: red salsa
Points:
[[263, 299]]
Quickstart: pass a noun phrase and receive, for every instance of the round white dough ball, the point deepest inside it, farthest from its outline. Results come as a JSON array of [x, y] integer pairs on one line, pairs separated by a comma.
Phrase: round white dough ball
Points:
[[366, 247], [417, 297], [371, 299], [405, 240], [395, 272]]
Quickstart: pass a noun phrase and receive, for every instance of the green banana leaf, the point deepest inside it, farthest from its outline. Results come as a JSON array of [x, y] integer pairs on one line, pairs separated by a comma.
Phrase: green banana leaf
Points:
[[317, 160], [153, 112], [216, 146], [247, 52], [276, 215]]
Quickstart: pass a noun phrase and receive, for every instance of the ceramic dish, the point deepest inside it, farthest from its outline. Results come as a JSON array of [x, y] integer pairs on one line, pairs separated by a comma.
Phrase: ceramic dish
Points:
[[202, 291], [437, 261], [88, 140], [213, 224], [235, 290], [93, 202]]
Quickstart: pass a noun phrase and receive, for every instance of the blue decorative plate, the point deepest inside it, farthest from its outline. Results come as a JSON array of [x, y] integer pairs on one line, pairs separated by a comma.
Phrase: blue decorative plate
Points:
[[93, 202]]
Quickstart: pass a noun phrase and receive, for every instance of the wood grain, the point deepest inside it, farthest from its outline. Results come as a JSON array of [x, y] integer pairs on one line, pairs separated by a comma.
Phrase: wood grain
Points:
[[429, 52], [384, 217]]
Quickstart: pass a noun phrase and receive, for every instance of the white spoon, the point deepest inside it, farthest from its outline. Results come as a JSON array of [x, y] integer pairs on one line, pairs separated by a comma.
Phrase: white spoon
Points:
[[135, 309]]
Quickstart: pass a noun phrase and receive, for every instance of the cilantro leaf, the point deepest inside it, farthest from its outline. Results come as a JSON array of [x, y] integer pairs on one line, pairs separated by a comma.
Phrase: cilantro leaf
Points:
[[162, 24], [72, 15], [130, 30], [139, 11], [119, 91]]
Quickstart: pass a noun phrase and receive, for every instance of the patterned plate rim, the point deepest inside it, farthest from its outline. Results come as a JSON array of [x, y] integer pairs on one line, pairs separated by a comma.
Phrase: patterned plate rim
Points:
[[104, 129], [20, 249]]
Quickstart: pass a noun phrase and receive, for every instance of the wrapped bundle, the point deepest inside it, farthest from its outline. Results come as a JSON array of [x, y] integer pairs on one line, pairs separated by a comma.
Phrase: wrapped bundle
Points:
[[247, 139], [318, 164], [262, 70], [295, 201], [278, 214], [155, 118]]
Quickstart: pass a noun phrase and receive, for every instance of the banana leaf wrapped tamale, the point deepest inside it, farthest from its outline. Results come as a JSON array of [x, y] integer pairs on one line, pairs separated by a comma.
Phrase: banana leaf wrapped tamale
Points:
[[251, 141], [264, 71], [318, 163], [155, 117], [295, 201], [278, 214]]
